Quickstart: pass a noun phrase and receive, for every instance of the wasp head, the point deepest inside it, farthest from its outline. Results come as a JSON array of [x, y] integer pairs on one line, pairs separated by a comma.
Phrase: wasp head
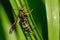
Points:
[[21, 10]]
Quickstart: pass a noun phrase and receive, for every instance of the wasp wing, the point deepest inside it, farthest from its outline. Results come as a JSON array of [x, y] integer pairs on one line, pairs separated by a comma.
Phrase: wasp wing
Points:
[[13, 25]]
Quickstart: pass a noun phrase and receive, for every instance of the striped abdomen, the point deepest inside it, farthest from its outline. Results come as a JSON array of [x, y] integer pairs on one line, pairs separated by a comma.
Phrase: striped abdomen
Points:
[[26, 25]]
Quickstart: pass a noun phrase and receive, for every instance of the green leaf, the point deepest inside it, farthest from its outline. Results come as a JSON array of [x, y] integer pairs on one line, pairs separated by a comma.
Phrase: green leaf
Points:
[[52, 9]]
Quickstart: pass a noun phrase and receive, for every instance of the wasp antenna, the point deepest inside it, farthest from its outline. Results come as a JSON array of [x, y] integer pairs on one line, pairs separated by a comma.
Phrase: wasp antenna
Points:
[[31, 10]]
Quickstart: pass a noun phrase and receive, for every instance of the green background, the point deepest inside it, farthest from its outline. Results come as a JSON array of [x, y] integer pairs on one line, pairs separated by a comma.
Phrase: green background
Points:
[[42, 9]]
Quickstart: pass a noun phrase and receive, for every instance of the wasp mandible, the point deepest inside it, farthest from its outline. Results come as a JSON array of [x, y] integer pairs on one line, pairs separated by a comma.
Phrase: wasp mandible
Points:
[[22, 16]]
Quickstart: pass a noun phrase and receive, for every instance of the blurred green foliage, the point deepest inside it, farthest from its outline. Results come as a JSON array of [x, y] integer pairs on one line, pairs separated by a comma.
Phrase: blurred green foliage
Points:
[[43, 28]]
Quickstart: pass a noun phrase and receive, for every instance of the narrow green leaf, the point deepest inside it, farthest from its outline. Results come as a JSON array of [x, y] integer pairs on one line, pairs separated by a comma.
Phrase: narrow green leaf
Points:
[[52, 9], [6, 24]]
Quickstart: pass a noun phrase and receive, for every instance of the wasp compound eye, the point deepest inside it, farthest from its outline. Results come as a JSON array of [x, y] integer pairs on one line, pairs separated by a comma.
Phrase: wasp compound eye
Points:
[[21, 9]]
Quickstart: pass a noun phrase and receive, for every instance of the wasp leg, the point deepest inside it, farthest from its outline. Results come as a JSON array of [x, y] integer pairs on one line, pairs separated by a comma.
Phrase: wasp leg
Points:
[[13, 25]]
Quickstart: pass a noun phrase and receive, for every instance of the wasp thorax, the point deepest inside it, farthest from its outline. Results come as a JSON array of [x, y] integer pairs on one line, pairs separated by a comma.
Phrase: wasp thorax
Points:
[[21, 13]]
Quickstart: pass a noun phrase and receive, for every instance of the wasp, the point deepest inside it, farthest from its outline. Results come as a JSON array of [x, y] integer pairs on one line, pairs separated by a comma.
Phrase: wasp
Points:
[[22, 16]]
